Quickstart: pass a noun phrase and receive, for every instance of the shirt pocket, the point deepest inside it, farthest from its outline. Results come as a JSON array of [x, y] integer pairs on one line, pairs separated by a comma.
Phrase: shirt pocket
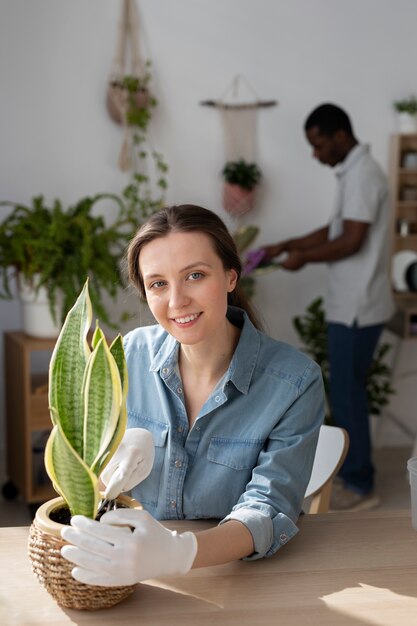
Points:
[[237, 454], [147, 491]]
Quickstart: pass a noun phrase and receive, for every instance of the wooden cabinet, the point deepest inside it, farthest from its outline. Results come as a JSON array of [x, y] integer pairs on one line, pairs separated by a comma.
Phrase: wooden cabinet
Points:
[[403, 177], [27, 415]]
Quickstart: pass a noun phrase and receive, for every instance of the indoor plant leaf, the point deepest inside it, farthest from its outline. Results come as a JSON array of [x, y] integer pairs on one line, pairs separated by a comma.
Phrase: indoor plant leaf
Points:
[[77, 483], [88, 390], [117, 351], [102, 391], [66, 370], [245, 236]]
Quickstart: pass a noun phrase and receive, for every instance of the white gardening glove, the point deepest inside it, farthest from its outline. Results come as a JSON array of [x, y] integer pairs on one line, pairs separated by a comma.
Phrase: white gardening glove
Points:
[[131, 463], [110, 555]]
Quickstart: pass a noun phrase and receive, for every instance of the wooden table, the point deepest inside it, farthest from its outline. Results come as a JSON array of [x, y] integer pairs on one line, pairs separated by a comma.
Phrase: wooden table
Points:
[[347, 569]]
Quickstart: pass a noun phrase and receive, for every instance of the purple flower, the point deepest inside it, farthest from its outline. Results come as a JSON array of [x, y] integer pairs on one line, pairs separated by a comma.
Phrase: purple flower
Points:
[[253, 259]]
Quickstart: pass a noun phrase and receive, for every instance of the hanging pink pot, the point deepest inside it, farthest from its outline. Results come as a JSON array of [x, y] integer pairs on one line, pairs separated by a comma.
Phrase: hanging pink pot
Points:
[[237, 200], [117, 97]]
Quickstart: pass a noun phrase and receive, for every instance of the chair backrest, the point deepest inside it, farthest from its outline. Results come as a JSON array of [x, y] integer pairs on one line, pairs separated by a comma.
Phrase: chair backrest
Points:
[[332, 447]]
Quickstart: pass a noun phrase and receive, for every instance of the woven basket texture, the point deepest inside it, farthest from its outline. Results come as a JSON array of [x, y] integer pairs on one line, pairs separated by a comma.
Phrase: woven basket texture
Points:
[[54, 574]]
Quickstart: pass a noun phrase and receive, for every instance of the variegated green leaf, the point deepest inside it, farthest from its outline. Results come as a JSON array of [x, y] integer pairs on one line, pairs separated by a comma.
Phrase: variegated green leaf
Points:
[[117, 350], [87, 397], [97, 335], [118, 353], [102, 402], [66, 370], [77, 483], [245, 236]]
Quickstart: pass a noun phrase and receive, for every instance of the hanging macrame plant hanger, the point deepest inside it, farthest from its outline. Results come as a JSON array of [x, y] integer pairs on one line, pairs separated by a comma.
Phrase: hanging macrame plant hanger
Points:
[[127, 66], [239, 118]]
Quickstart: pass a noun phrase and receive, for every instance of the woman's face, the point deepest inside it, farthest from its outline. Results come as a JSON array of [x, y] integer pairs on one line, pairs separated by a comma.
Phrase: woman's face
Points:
[[186, 285]]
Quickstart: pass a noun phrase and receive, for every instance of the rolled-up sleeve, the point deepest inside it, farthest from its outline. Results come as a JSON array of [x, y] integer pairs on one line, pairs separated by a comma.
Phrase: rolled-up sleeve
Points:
[[272, 501]]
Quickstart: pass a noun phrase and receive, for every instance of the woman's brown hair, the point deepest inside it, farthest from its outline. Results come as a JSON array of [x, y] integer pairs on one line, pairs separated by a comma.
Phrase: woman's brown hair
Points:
[[188, 218]]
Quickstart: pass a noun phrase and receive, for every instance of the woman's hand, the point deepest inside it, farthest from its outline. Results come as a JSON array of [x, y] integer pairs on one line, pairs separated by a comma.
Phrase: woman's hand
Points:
[[131, 463], [125, 547]]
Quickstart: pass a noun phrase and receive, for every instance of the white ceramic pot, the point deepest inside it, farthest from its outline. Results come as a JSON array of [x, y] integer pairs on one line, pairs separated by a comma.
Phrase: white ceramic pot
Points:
[[407, 123], [37, 318]]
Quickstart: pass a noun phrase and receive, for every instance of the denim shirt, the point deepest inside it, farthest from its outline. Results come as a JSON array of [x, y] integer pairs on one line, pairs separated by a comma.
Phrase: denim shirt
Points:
[[249, 453]]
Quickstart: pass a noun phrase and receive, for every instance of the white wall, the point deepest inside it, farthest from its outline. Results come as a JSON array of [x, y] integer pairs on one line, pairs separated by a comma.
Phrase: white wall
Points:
[[57, 139]]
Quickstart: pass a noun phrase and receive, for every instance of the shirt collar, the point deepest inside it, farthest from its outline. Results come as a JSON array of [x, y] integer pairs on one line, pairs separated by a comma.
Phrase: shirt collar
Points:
[[354, 155], [244, 358]]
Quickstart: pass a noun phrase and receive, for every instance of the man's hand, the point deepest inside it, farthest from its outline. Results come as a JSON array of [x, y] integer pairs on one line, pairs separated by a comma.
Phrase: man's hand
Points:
[[274, 250], [131, 463], [294, 261], [124, 548]]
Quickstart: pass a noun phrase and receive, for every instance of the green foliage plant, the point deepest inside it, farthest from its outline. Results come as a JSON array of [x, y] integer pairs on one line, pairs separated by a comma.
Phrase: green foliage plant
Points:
[[87, 403], [244, 237], [57, 247], [312, 330], [241, 173], [139, 100], [407, 105], [149, 170]]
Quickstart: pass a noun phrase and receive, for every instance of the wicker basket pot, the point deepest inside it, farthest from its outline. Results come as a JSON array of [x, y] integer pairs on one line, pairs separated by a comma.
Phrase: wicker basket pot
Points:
[[54, 572]]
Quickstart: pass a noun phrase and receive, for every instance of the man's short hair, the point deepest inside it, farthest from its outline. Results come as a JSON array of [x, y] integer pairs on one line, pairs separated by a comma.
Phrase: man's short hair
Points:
[[329, 118]]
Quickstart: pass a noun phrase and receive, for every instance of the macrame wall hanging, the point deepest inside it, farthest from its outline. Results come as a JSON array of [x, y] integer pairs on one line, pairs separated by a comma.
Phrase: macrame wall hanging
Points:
[[128, 98], [239, 122]]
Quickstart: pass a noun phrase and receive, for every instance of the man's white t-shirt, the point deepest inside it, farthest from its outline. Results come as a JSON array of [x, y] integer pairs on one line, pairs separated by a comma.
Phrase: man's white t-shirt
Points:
[[359, 286]]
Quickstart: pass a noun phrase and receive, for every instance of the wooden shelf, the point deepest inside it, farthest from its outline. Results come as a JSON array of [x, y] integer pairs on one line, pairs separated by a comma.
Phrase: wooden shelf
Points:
[[404, 322], [27, 416], [411, 237], [407, 170]]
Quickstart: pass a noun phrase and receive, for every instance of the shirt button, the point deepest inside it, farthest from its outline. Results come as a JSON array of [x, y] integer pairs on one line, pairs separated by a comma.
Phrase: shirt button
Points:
[[178, 463], [165, 370], [217, 398], [180, 429], [173, 503], [179, 390], [198, 428], [283, 538]]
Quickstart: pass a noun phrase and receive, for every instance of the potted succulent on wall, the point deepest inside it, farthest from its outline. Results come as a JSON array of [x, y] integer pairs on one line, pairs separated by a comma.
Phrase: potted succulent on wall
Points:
[[49, 250], [87, 399], [407, 114], [239, 189]]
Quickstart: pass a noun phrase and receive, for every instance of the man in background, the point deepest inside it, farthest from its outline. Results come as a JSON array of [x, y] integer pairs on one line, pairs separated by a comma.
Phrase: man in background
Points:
[[355, 246]]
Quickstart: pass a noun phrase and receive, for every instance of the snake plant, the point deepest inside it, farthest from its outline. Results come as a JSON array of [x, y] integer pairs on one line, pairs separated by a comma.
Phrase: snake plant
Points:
[[87, 403]]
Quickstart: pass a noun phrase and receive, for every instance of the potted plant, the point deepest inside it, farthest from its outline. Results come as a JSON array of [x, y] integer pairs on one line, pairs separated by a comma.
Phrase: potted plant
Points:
[[312, 330], [240, 182], [87, 401], [50, 249], [129, 100], [253, 261], [132, 104], [407, 114]]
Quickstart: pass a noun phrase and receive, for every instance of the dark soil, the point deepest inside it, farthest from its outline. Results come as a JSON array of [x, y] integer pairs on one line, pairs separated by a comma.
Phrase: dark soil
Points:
[[63, 515]]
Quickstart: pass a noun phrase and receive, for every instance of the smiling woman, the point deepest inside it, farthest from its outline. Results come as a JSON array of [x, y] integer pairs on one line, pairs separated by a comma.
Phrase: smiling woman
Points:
[[189, 296], [234, 415]]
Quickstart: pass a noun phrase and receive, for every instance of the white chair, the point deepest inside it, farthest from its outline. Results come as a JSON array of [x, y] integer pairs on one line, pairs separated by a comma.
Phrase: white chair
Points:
[[332, 447]]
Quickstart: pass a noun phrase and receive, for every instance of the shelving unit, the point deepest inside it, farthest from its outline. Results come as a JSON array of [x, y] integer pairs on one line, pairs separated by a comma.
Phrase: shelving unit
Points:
[[27, 416], [403, 177]]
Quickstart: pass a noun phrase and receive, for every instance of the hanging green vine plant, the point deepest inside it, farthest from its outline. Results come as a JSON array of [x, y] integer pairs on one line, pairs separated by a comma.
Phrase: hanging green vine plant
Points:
[[145, 192]]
